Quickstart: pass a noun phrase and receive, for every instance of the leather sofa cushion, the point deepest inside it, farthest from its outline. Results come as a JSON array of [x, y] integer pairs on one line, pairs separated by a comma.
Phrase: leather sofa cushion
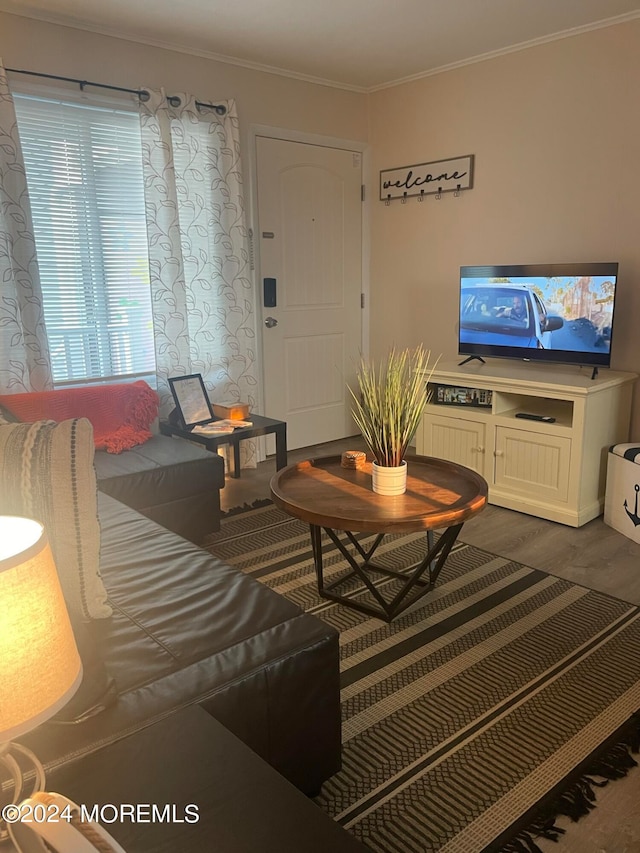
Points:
[[160, 471], [173, 603], [187, 628], [174, 482]]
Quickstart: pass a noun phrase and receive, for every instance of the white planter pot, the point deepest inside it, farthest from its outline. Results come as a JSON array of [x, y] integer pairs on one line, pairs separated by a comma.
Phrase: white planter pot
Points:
[[389, 481]]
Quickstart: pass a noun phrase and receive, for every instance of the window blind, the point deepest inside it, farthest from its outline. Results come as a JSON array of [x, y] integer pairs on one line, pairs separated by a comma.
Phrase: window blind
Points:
[[84, 173]]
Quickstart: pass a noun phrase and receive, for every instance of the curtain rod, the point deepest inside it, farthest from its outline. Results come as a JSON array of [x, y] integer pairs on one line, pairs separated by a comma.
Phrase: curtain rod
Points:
[[141, 93]]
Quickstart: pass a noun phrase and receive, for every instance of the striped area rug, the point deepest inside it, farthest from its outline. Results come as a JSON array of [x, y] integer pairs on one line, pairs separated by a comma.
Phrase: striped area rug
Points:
[[468, 712]]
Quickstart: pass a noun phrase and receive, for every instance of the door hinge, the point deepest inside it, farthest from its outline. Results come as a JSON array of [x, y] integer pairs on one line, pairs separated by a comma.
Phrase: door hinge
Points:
[[362, 300], [362, 192]]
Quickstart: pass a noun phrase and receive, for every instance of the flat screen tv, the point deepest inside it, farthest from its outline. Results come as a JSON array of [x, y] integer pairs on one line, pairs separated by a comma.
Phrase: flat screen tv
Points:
[[539, 312]]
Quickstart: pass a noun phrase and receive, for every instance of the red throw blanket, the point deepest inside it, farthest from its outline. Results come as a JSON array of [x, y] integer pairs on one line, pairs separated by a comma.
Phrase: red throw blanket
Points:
[[120, 414]]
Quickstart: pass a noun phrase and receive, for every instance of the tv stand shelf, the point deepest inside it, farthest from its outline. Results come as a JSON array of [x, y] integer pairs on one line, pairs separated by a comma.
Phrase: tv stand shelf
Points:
[[551, 470], [509, 405]]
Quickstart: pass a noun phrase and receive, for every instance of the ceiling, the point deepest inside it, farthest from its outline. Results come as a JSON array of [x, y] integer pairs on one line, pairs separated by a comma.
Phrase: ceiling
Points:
[[353, 44]]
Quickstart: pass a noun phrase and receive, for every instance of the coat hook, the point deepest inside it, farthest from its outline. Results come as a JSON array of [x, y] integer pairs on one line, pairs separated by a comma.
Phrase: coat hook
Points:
[[456, 192], [387, 200], [439, 193], [403, 200], [421, 196]]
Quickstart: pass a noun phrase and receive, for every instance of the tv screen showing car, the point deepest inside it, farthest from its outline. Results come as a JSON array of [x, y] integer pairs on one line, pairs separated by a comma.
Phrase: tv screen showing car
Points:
[[556, 313]]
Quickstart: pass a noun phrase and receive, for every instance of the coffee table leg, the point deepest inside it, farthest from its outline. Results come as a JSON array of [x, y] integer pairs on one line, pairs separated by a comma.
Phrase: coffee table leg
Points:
[[433, 562], [430, 541], [316, 547], [431, 565]]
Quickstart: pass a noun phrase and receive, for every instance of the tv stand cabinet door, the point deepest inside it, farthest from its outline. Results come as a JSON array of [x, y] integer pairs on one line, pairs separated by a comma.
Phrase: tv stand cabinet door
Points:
[[532, 464], [454, 439]]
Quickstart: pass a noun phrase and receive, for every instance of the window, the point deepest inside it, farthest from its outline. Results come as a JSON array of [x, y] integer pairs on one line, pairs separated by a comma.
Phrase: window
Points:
[[84, 173]]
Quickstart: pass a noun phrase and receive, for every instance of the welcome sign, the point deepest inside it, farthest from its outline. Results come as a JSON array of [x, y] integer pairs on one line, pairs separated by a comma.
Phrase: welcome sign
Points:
[[439, 176]]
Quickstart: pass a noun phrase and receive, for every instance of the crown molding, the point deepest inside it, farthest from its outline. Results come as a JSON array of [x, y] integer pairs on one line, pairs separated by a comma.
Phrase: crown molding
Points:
[[59, 20], [516, 48]]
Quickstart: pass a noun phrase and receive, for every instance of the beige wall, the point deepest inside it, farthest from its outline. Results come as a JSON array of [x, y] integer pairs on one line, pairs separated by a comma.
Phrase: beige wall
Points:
[[555, 130]]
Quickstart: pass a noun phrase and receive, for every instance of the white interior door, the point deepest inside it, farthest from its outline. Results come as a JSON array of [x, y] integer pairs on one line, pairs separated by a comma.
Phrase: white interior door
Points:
[[310, 231]]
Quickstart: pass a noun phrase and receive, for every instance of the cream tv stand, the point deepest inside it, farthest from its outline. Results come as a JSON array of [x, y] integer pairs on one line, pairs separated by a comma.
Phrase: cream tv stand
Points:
[[551, 470]]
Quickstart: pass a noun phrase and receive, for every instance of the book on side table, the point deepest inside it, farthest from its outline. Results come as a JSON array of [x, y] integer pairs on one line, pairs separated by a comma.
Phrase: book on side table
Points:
[[235, 411], [221, 427]]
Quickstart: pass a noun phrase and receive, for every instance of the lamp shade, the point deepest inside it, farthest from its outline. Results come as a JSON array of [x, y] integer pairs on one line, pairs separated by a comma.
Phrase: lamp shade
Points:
[[40, 668]]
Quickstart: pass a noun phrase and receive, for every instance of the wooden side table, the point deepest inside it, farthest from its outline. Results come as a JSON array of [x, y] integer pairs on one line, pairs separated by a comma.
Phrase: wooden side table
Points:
[[341, 502], [261, 426], [190, 760]]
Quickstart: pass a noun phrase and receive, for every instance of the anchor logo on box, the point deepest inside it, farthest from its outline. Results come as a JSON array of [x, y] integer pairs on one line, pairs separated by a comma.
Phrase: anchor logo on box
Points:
[[633, 516]]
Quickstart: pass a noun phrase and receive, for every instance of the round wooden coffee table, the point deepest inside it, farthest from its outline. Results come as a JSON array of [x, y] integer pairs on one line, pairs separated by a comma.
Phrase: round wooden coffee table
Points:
[[440, 496]]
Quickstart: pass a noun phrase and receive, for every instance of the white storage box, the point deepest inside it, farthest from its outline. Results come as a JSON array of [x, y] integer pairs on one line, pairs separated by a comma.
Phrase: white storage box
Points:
[[622, 498]]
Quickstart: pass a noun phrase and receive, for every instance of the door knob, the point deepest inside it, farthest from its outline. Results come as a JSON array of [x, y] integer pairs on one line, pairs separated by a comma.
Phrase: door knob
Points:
[[270, 322]]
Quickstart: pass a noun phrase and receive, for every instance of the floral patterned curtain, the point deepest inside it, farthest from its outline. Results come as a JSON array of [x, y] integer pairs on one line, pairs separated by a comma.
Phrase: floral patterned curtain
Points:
[[202, 296], [24, 349]]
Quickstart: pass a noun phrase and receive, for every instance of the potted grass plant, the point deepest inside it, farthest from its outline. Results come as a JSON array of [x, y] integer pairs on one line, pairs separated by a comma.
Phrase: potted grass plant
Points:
[[387, 406]]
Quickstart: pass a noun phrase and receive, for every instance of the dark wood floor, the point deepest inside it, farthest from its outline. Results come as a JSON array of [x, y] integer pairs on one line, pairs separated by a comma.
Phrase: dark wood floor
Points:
[[593, 555]]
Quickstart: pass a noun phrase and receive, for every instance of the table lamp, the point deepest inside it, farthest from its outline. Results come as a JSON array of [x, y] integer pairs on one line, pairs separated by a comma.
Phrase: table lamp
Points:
[[40, 668]]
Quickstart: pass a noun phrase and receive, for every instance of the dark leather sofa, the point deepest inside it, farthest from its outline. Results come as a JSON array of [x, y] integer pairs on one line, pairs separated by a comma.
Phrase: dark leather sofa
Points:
[[187, 628], [169, 480]]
